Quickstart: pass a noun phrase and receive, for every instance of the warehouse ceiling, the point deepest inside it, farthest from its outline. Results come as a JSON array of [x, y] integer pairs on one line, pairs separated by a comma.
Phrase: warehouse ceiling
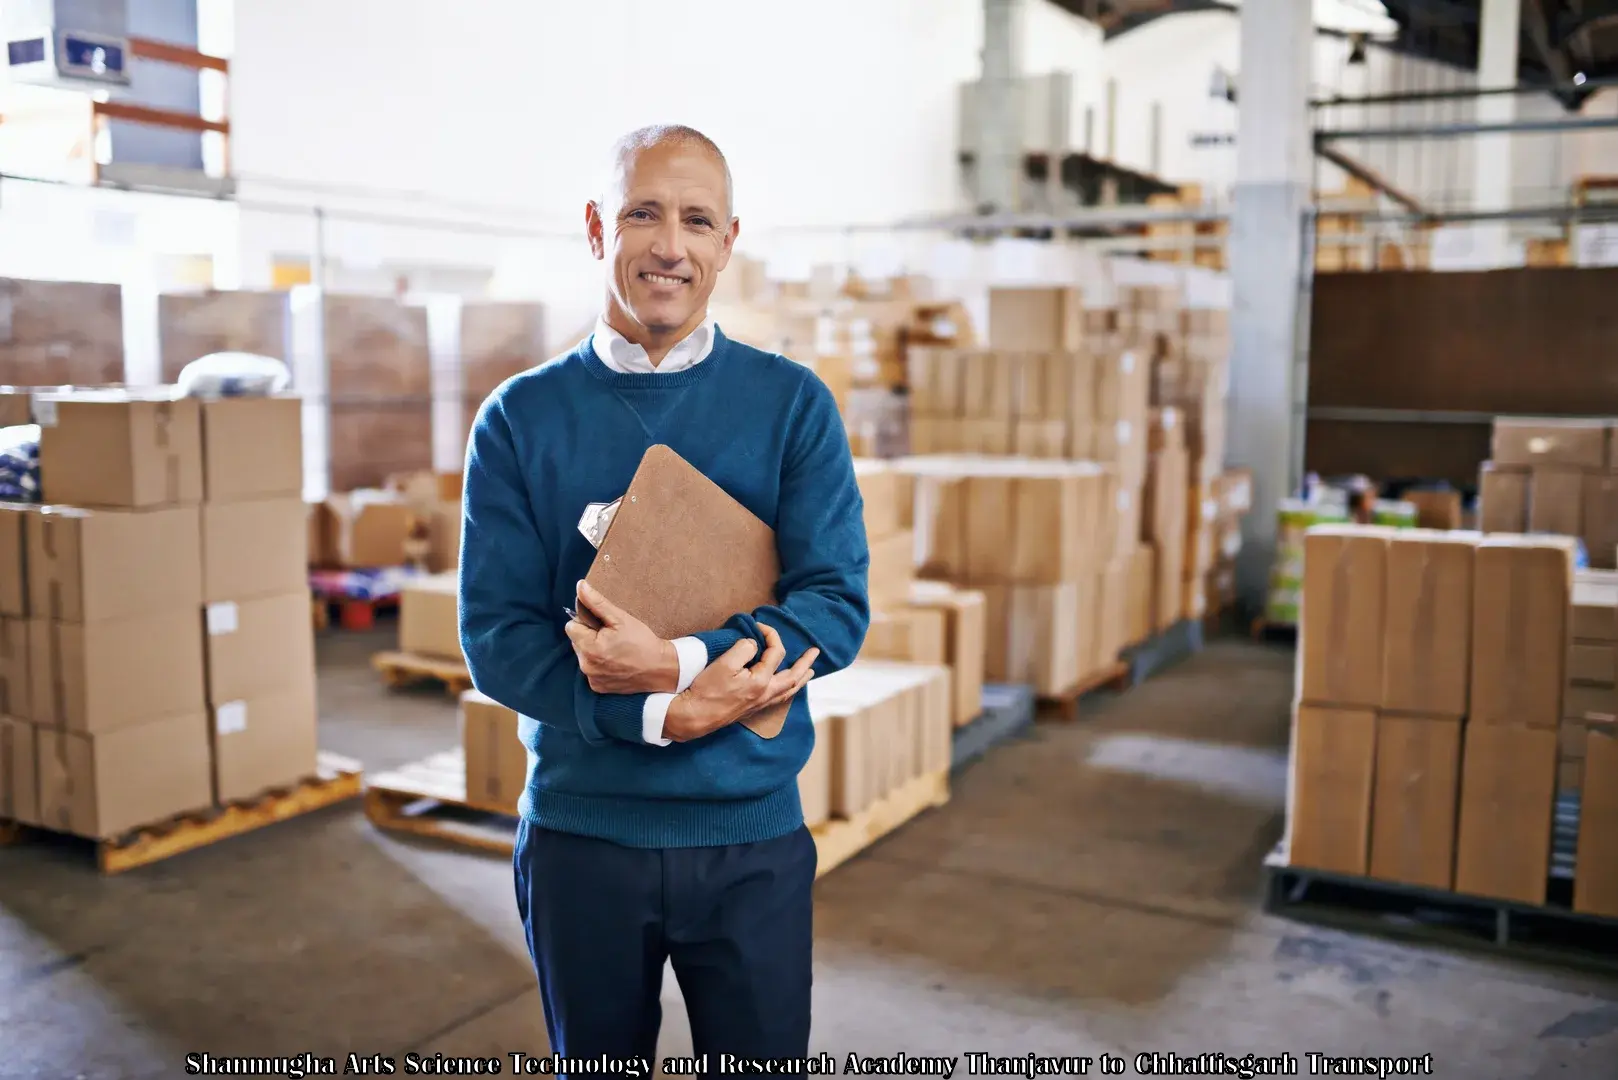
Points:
[[1561, 39]]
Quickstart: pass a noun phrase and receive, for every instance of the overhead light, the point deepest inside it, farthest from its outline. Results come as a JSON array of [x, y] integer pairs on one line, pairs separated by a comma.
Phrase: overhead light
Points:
[[1578, 78]]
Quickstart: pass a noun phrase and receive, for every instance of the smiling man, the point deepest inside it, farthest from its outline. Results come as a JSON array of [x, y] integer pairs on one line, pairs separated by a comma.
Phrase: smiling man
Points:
[[655, 827]]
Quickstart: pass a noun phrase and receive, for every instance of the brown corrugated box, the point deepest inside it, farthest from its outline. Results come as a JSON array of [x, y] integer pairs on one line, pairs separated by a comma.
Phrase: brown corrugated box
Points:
[[814, 779], [1112, 623], [1595, 870], [1436, 509], [19, 772], [965, 614], [1340, 644], [496, 760], [1029, 631], [1600, 533], [1592, 663], [264, 741], [913, 634], [1508, 791], [120, 449], [1556, 501], [1582, 702], [1427, 636], [1141, 615], [1333, 764], [254, 548], [892, 569], [1415, 800], [252, 448], [363, 529], [106, 784], [15, 675], [1535, 441], [88, 565], [13, 564], [258, 646], [1036, 318], [1520, 621], [880, 491], [1595, 606], [115, 673], [429, 616], [1502, 499]]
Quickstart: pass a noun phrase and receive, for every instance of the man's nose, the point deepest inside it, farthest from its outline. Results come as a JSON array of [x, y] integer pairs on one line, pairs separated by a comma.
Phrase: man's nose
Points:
[[669, 242]]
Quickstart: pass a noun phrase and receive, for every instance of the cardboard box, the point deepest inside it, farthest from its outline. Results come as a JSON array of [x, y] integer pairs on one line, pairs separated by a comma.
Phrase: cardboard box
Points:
[[116, 673], [1427, 636], [1030, 631], [1345, 594], [1436, 509], [13, 565], [1520, 619], [1333, 770], [1593, 664], [14, 671], [429, 616], [252, 448], [496, 760], [912, 634], [1600, 520], [1556, 501], [265, 741], [19, 772], [106, 784], [1538, 441], [363, 529], [1036, 319], [1595, 870], [880, 491], [814, 779], [254, 548], [1415, 800], [118, 449], [89, 565], [1582, 702], [1595, 606], [1140, 614], [965, 612], [1508, 792], [1502, 499], [893, 568], [260, 646], [1112, 625]]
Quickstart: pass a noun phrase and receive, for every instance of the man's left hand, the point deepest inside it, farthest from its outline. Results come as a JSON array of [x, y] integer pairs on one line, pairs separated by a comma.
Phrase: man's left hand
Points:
[[624, 656]]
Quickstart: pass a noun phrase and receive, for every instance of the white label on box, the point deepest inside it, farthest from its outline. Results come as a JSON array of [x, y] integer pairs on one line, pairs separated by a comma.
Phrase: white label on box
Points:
[[1128, 363], [1123, 499], [44, 412], [230, 718], [221, 618], [1123, 432]]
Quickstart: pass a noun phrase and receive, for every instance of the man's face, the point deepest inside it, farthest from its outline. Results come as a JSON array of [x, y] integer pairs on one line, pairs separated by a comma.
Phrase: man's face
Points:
[[666, 233]]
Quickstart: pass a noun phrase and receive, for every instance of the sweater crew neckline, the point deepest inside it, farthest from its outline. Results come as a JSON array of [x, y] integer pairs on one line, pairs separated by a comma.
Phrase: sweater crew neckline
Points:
[[653, 380]]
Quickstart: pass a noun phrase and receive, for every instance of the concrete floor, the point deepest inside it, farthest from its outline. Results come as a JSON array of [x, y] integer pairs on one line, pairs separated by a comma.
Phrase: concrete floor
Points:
[[1089, 889]]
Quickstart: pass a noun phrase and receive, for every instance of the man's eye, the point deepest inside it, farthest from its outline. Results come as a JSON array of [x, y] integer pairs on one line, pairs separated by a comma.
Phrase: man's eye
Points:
[[639, 215]]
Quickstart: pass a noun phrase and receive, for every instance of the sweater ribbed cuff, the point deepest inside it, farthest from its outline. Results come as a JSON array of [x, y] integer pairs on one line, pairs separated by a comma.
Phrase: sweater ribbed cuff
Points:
[[718, 642], [621, 716]]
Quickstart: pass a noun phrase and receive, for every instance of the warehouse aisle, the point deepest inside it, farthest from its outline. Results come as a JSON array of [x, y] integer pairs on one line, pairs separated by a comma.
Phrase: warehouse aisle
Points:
[[1089, 888]]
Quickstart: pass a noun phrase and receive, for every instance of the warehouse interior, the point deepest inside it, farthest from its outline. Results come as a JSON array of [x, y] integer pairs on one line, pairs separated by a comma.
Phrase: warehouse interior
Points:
[[1230, 390]]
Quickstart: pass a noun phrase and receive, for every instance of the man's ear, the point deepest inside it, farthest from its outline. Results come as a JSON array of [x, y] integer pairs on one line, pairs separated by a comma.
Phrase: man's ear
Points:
[[595, 229], [729, 243]]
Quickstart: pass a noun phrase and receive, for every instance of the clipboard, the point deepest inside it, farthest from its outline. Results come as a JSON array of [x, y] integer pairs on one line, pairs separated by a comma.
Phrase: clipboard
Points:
[[681, 555]]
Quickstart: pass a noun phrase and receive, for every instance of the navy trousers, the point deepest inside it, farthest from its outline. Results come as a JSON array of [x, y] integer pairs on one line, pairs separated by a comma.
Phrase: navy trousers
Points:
[[736, 921]]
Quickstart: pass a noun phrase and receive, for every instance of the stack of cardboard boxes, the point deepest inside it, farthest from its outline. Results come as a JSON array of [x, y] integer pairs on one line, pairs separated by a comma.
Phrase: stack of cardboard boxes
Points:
[[1163, 522], [1431, 670], [167, 662], [1591, 699], [922, 622], [1553, 476]]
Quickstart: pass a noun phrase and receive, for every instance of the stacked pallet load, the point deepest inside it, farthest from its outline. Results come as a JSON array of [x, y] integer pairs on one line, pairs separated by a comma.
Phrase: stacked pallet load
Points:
[[1559, 476], [1036, 539], [1591, 699], [913, 621], [168, 648], [1431, 676]]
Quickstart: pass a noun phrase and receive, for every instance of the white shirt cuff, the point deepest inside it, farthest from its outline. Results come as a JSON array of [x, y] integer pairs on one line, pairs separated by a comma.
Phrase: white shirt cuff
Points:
[[652, 715], [693, 659]]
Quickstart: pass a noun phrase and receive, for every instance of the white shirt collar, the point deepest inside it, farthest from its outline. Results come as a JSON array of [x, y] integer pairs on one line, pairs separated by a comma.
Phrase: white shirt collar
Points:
[[624, 356]]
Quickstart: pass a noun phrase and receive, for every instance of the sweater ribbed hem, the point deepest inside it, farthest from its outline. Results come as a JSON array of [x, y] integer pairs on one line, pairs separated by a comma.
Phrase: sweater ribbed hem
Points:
[[718, 642], [667, 823], [621, 716]]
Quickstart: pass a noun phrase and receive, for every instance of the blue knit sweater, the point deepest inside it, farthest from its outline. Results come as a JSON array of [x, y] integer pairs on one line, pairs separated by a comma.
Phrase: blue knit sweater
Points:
[[572, 432]]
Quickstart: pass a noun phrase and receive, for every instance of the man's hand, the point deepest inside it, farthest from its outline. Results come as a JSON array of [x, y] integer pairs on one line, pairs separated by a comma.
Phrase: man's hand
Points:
[[624, 656], [728, 690]]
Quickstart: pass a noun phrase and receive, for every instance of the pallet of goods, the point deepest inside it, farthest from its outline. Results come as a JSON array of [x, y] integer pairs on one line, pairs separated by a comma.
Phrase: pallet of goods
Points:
[[1552, 475], [881, 756], [160, 671], [1432, 710]]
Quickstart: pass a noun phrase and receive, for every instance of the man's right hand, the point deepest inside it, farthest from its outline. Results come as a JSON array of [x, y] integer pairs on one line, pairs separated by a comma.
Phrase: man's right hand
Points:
[[728, 689]]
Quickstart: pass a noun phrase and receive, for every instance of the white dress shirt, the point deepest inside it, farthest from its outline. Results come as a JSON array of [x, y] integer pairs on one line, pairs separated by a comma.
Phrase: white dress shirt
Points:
[[622, 355]]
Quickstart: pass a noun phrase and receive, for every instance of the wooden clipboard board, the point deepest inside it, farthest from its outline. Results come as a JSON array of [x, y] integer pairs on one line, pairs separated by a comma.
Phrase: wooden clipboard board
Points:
[[682, 556]]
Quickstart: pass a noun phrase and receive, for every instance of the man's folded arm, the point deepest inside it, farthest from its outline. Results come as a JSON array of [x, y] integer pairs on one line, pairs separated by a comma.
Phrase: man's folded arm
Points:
[[515, 649], [823, 599]]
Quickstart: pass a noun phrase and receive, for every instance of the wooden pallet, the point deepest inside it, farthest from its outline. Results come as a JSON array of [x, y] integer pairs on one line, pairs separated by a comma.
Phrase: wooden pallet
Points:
[[406, 669], [1113, 676], [337, 779], [428, 798]]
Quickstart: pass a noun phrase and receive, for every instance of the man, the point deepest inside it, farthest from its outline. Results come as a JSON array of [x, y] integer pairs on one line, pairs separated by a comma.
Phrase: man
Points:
[[655, 826]]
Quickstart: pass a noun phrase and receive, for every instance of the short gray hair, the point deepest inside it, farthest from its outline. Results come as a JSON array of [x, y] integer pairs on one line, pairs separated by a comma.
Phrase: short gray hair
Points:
[[656, 135]]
